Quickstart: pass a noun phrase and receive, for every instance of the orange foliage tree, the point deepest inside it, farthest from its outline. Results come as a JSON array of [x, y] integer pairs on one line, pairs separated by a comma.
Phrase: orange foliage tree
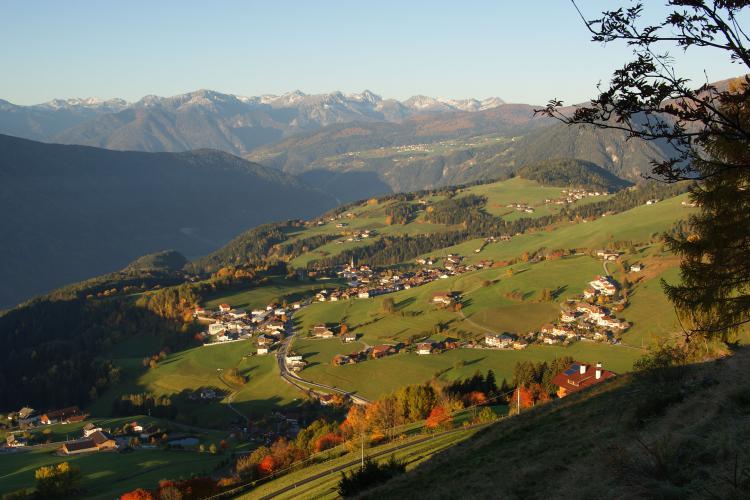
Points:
[[439, 418]]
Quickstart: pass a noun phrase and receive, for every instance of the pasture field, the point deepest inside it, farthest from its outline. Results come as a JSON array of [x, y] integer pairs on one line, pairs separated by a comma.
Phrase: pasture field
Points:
[[486, 306], [639, 224], [374, 378], [106, 475], [279, 289]]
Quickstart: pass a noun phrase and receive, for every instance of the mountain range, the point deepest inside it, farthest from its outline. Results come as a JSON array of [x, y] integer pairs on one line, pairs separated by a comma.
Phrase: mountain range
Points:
[[74, 211], [209, 119]]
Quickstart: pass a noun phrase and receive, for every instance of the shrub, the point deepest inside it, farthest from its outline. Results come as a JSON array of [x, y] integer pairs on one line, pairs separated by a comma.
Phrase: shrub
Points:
[[370, 475]]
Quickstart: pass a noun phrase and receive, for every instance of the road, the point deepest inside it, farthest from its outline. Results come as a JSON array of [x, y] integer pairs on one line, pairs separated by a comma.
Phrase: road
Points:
[[296, 380]]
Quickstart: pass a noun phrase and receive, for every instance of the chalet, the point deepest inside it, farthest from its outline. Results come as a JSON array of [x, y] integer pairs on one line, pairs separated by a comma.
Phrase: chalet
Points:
[[425, 348], [225, 308], [636, 268], [547, 328], [90, 429], [326, 399], [217, 328], [321, 331], [59, 416], [27, 416], [11, 441], [502, 341], [563, 331], [445, 298], [341, 359], [199, 311], [363, 295], [265, 340], [567, 317], [293, 358], [603, 285], [262, 350], [589, 293], [519, 344], [349, 337], [237, 313], [381, 351], [579, 376]]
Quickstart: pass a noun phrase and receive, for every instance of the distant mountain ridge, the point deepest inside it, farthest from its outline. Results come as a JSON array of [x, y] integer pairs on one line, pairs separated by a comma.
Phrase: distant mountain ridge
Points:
[[210, 119], [73, 212]]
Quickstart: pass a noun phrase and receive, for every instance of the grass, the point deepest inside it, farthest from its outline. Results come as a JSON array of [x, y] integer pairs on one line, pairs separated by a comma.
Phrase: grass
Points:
[[633, 437], [639, 224], [105, 474], [279, 289], [374, 378]]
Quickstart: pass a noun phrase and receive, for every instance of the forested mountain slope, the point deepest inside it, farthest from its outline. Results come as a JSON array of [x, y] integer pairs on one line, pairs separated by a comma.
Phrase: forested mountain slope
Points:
[[73, 212]]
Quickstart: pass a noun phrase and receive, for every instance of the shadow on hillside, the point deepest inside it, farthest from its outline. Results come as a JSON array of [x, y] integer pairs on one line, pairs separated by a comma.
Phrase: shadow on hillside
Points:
[[347, 186]]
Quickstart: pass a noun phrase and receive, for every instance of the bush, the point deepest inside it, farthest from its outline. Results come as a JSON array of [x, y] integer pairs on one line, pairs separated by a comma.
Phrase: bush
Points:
[[370, 475]]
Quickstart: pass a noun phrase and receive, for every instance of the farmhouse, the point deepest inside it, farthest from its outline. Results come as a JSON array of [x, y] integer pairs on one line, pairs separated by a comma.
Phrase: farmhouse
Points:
[[579, 376], [424, 348], [604, 285], [225, 308], [502, 341], [349, 337], [98, 441], [60, 416], [381, 351], [321, 331], [262, 350], [444, 298], [341, 359]]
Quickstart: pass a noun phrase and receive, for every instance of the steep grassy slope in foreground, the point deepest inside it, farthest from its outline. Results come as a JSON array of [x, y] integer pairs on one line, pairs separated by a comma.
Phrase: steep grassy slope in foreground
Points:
[[653, 437]]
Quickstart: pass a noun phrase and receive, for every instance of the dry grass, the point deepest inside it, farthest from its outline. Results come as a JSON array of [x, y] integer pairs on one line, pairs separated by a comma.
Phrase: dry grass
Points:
[[683, 435]]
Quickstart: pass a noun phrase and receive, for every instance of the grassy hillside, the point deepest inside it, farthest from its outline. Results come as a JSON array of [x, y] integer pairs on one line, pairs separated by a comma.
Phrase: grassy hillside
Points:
[[639, 437]]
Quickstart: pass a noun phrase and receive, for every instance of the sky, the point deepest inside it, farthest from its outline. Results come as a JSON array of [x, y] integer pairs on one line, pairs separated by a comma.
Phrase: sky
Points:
[[528, 51]]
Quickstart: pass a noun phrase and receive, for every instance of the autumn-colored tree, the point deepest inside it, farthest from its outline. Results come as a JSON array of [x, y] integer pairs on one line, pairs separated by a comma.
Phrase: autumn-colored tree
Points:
[[327, 441], [389, 220], [439, 418], [343, 328], [475, 398], [57, 480], [266, 466], [138, 494]]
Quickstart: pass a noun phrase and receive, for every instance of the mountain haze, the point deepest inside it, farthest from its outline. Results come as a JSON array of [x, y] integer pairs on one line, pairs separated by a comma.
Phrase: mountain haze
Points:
[[75, 212]]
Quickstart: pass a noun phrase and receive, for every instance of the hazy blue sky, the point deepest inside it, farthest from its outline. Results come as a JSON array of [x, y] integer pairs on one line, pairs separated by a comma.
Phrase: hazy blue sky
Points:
[[526, 51]]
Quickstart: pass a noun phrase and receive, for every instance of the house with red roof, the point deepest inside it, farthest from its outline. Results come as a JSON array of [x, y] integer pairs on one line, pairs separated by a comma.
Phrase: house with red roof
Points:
[[579, 376]]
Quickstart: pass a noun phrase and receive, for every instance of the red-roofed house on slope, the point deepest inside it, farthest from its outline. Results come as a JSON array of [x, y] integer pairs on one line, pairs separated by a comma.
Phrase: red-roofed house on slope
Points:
[[579, 376]]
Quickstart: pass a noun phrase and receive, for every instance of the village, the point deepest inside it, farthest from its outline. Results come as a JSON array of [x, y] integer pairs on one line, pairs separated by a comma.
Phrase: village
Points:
[[573, 195]]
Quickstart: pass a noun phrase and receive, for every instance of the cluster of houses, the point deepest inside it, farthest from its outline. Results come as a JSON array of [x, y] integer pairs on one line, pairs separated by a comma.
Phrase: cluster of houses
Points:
[[608, 254], [521, 207], [355, 236], [602, 285], [363, 282], [375, 352], [27, 418], [585, 320], [505, 341], [227, 324], [573, 195]]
